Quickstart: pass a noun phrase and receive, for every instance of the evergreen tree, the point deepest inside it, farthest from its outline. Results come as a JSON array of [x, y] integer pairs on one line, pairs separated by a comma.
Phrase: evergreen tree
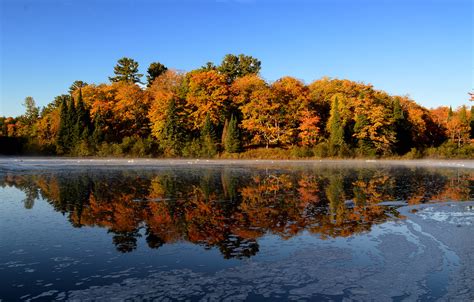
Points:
[[450, 113], [364, 144], [208, 138], [402, 129], [207, 67], [171, 137], [464, 131], [71, 125], [97, 134], [126, 70], [155, 70], [232, 137], [83, 123], [238, 66], [62, 140], [77, 85], [335, 127], [397, 110]]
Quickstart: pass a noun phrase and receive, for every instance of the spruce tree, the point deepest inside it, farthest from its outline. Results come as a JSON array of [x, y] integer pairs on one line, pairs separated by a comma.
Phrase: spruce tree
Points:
[[63, 131], [464, 131], [71, 125], [97, 134], [335, 127], [83, 123], [232, 137], [171, 137], [364, 144], [397, 110], [402, 129], [208, 138]]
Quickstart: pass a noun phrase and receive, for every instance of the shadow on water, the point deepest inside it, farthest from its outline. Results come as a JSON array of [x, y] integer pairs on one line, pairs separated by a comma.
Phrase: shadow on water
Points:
[[230, 208]]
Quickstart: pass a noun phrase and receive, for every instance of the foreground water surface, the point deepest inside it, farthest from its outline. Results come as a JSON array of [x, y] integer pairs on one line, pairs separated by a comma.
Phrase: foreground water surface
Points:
[[214, 231]]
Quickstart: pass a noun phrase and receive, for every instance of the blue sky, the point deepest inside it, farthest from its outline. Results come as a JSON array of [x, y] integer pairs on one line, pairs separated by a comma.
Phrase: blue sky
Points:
[[418, 47]]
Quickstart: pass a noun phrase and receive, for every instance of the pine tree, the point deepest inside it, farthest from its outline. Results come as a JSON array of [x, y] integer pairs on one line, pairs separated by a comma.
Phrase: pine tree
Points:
[[232, 137], [155, 70], [208, 138], [126, 70]]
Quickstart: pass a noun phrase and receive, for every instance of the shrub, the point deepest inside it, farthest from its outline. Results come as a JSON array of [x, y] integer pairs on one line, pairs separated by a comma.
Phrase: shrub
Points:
[[301, 152]]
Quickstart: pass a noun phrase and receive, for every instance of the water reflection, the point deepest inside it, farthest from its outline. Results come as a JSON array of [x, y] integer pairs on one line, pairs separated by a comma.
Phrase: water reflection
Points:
[[231, 208]]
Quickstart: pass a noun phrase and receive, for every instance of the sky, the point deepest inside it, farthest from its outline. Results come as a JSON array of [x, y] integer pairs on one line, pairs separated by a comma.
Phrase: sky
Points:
[[420, 48]]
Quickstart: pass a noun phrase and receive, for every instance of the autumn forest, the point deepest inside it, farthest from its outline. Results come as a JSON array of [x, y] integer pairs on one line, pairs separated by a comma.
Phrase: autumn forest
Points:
[[230, 111]]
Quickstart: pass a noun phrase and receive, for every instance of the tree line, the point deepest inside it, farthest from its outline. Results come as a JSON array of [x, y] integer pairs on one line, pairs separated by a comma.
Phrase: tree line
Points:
[[229, 110]]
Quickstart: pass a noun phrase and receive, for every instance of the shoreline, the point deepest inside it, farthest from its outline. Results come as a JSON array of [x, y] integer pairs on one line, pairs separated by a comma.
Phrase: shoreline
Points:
[[13, 163]]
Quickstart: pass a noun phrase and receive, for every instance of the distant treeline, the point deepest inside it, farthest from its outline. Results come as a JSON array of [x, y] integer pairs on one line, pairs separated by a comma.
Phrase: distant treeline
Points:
[[230, 111]]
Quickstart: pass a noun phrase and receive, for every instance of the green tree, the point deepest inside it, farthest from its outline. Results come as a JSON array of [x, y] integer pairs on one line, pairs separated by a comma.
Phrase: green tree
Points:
[[208, 138], [335, 196], [403, 140], [77, 85], [233, 66], [97, 134], [32, 111], [464, 129], [155, 70], [450, 113], [83, 122], [232, 138], [364, 144], [171, 137], [71, 124], [63, 139], [207, 67], [126, 70], [335, 127]]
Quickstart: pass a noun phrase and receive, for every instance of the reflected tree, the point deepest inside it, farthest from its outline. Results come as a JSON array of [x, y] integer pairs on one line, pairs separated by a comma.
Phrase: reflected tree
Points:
[[229, 209]]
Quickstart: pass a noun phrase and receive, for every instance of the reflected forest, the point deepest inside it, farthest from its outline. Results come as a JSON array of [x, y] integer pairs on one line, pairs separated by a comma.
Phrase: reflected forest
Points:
[[231, 208]]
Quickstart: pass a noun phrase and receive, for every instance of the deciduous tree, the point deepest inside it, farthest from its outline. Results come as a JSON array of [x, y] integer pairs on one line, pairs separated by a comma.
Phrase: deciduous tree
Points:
[[208, 94]]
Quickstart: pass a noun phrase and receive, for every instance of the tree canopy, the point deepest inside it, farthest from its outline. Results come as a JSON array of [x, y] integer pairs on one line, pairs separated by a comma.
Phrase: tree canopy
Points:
[[229, 108]]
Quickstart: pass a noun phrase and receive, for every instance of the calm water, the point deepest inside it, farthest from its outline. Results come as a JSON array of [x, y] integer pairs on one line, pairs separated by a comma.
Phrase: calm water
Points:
[[121, 230]]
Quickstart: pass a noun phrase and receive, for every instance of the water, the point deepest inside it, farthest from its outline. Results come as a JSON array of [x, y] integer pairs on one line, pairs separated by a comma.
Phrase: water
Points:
[[197, 230]]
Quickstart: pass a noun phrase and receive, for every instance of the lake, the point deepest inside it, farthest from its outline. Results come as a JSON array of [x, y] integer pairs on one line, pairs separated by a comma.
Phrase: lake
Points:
[[163, 230]]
